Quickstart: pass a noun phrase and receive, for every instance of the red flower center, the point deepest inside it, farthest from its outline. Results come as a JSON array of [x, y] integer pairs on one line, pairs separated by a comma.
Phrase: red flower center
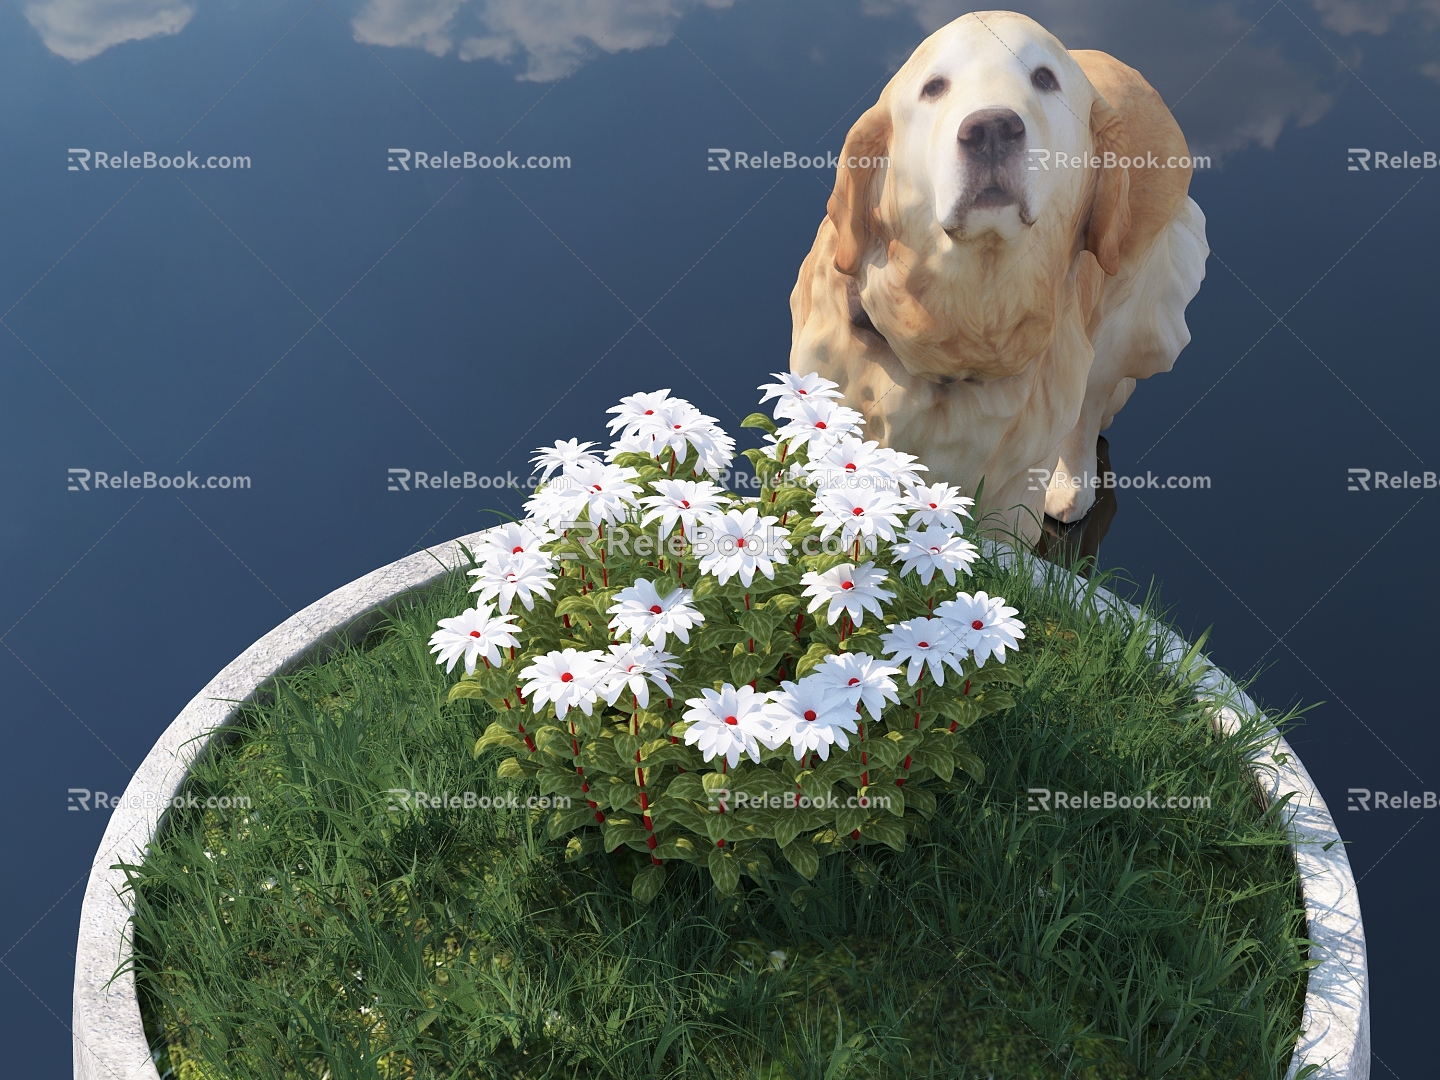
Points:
[[935, 549], [632, 667], [820, 424], [932, 506], [516, 550], [859, 511], [565, 676], [802, 393], [656, 609], [685, 503], [677, 427], [649, 412], [847, 584], [850, 467], [853, 682], [731, 721], [512, 578], [474, 633], [924, 644], [977, 625], [595, 488], [809, 714]]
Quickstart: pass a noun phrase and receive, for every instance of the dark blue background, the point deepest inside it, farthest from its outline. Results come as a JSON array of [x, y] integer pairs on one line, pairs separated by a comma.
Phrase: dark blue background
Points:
[[168, 322]]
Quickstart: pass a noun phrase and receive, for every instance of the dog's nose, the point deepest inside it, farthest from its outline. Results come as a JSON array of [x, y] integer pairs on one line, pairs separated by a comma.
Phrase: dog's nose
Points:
[[992, 134]]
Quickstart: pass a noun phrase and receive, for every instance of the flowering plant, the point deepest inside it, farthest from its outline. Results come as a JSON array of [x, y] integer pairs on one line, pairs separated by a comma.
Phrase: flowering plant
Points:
[[709, 677]]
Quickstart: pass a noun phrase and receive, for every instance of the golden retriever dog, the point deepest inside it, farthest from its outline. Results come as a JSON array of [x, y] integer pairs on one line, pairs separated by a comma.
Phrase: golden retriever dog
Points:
[[988, 284]]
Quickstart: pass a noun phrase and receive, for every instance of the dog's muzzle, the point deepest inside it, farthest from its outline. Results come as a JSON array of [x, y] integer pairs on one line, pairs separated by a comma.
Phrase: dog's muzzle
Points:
[[991, 145]]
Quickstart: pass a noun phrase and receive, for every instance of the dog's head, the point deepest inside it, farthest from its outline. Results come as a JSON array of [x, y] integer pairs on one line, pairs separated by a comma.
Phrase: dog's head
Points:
[[951, 176]]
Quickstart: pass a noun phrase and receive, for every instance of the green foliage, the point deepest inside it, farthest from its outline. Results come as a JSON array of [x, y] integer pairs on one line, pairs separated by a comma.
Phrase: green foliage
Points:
[[325, 932]]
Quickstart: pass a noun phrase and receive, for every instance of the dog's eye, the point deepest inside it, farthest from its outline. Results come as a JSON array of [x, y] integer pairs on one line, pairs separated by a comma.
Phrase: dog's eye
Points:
[[934, 88], [1044, 79]]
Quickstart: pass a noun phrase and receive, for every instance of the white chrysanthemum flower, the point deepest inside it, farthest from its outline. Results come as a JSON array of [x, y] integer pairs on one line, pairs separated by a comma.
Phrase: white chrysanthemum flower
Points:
[[474, 633], [634, 408], [847, 588], [727, 723], [862, 677], [858, 514], [983, 625], [514, 538], [605, 491], [937, 506], [548, 459], [851, 462], [643, 613], [926, 550], [685, 501], [813, 715], [680, 426], [742, 542], [924, 642], [507, 576], [792, 389], [820, 423], [567, 679], [635, 667]]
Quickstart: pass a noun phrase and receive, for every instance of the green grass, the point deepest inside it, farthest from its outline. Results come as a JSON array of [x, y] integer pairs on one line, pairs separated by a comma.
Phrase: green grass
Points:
[[318, 935]]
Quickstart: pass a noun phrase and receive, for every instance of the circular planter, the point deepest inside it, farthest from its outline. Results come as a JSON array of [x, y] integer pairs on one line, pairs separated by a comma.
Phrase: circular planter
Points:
[[109, 1038]]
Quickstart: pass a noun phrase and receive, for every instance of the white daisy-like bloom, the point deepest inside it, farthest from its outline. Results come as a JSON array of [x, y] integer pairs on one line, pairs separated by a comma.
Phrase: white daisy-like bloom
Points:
[[983, 624], [813, 715], [685, 501], [634, 408], [860, 676], [507, 576], [632, 443], [681, 426], [819, 422], [926, 550], [847, 588], [924, 642], [514, 538], [634, 667], [474, 633], [790, 389], [605, 491], [742, 542], [937, 506], [870, 515], [549, 459], [565, 679], [644, 614], [856, 463], [729, 722]]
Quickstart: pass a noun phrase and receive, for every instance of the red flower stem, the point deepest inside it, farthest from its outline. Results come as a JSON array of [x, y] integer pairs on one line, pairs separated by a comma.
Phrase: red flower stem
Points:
[[864, 757], [650, 840], [580, 772], [966, 692], [919, 696]]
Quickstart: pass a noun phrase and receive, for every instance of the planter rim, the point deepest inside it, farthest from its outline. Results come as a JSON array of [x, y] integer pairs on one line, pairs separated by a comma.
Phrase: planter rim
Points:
[[108, 1037]]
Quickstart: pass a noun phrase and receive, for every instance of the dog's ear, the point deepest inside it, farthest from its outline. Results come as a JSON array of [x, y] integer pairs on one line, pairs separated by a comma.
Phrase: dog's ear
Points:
[[850, 207], [1110, 208]]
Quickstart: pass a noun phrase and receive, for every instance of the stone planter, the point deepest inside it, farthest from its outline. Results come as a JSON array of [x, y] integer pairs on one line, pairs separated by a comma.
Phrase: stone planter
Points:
[[109, 1039]]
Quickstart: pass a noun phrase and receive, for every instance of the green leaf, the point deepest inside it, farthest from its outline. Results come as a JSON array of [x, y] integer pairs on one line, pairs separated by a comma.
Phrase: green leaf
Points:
[[687, 786], [848, 819], [648, 883], [724, 871], [787, 828], [972, 765], [745, 668], [681, 847], [615, 835], [497, 735], [761, 421], [513, 769], [886, 831], [813, 658], [921, 799], [803, 856]]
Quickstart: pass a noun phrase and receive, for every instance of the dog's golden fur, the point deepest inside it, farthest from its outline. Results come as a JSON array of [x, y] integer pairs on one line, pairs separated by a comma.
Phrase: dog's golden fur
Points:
[[997, 349]]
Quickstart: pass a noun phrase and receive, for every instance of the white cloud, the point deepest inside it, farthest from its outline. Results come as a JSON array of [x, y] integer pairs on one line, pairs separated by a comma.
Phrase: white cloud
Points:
[[1248, 98], [552, 37], [80, 29]]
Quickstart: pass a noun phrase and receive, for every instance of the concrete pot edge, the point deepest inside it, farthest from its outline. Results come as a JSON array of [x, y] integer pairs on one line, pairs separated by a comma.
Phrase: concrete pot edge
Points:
[[109, 1039]]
